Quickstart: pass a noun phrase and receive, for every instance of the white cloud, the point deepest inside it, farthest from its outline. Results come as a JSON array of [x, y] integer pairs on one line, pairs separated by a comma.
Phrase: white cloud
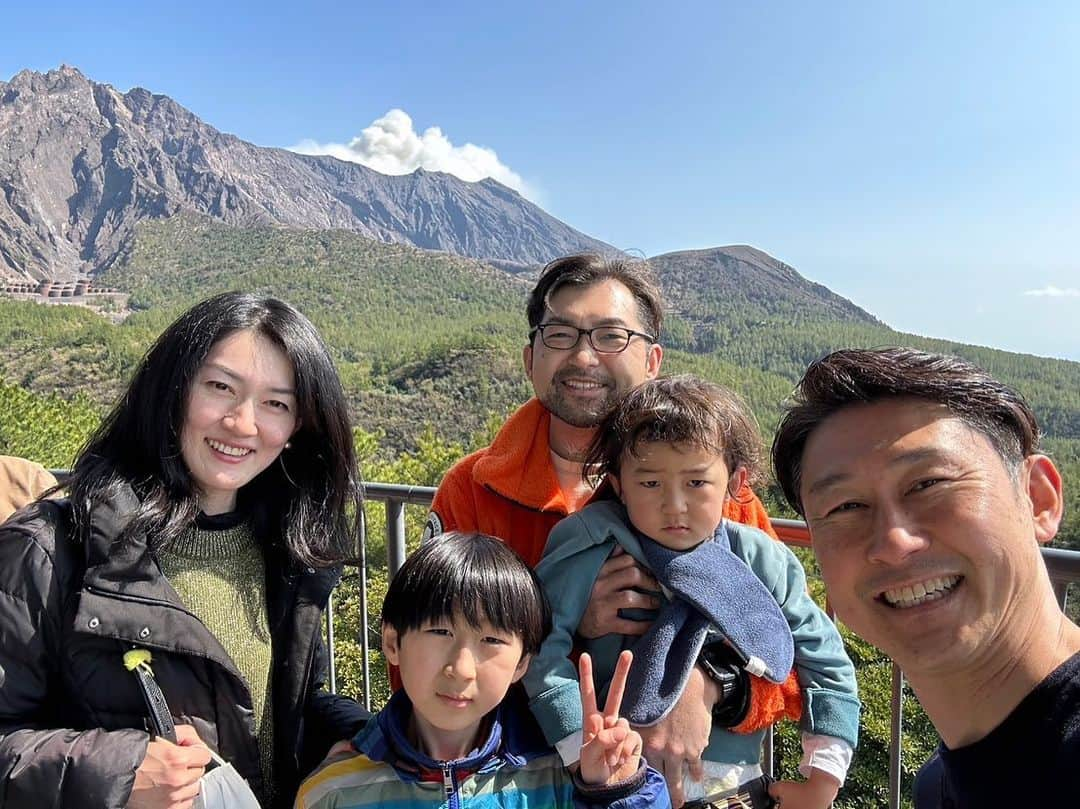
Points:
[[1051, 291], [390, 145]]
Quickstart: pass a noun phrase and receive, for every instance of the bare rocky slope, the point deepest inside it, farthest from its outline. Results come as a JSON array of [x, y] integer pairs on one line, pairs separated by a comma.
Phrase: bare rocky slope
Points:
[[81, 163]]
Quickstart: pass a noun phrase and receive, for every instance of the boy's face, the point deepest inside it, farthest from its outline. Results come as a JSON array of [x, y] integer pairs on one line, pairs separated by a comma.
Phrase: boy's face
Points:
[[454, 674], [674, 493]]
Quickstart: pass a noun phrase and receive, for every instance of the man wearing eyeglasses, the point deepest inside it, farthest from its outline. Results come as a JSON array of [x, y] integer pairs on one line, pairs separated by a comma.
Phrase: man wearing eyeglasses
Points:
[[594, 325]]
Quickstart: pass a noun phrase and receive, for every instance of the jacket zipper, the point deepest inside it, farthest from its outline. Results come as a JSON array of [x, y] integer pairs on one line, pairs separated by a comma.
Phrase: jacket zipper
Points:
[[449, 789], [138, 599]]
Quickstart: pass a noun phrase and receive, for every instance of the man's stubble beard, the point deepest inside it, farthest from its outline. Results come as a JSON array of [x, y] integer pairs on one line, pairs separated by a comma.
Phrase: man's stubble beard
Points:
[[564, 408]]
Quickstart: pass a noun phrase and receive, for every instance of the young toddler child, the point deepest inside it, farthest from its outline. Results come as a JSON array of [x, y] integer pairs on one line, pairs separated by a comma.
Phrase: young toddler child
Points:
[[672, 451], [461, 620]]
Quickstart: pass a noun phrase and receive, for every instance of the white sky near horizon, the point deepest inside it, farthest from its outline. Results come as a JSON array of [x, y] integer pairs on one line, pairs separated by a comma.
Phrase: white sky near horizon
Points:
[[918, 159]]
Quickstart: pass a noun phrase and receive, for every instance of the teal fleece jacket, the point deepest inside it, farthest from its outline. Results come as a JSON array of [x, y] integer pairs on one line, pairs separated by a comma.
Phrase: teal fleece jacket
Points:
[[576, 549]]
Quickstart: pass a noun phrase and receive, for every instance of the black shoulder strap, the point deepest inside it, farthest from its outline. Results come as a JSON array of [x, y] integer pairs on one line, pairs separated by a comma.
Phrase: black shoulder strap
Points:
[[160, 717]]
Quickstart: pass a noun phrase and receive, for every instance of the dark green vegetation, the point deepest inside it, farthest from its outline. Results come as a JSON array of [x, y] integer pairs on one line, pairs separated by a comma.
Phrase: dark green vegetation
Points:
[[429, 347]]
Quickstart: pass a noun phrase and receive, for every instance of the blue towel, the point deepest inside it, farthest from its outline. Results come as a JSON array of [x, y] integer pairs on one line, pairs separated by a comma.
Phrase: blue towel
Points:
[[711, 588]]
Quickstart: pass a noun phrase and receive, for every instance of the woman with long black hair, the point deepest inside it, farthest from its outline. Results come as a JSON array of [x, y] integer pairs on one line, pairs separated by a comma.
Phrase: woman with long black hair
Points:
[[206, 523]]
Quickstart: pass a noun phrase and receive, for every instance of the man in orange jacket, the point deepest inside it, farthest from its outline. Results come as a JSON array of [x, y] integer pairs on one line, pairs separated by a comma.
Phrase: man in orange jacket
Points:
[[594, 325]]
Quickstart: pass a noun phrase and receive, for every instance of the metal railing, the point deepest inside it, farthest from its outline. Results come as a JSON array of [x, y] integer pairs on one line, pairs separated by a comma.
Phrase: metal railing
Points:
[[1062, 565], [1064, 568]]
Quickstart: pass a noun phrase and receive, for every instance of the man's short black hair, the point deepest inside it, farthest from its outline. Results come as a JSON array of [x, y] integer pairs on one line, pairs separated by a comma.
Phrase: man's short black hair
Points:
[[586, 269], [863, 376], [472, 575]]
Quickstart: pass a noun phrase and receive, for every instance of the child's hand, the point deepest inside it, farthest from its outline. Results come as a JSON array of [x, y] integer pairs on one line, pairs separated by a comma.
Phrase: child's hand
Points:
[[816, 792], [610, 750]]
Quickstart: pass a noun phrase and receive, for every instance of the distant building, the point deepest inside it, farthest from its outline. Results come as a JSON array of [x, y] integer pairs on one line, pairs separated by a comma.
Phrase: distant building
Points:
[[82, 291]]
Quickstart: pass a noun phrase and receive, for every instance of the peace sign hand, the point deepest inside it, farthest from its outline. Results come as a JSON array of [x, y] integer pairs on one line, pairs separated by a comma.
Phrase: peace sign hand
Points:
[[610, 749]]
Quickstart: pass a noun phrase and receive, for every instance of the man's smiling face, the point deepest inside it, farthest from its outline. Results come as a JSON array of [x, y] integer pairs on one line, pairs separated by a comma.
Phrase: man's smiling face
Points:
[[927, 542], [580, 385]]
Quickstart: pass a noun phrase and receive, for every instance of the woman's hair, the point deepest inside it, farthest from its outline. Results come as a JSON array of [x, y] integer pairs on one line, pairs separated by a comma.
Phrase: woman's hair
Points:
[[677, 410], [309, 499], [473, 575]]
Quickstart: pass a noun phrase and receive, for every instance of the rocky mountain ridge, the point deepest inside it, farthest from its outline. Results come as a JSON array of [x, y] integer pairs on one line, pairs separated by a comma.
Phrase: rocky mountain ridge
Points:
[[81, 163]]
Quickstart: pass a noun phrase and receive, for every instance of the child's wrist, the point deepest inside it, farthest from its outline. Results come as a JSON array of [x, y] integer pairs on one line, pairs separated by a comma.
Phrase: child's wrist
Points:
[[825, 784], [612, 790], [710, 689]]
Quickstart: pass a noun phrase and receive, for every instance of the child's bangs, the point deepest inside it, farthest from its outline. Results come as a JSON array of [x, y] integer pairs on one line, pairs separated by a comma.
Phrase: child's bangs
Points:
[[690, 432], [479, 579], [507, 600]]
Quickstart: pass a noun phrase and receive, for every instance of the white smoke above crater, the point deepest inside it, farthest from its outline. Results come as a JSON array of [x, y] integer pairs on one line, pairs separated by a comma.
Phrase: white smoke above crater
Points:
[[391, 145], [1051, 291]]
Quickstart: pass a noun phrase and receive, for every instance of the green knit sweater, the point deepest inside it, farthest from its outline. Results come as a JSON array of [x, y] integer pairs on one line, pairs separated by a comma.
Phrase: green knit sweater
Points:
[[220, 575]]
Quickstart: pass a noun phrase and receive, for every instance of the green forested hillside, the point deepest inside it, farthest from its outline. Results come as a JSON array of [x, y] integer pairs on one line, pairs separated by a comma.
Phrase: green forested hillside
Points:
[[429, 347], [428, 338]]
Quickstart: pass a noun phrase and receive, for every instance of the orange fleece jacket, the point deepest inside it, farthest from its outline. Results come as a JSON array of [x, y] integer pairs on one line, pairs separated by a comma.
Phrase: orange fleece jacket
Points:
[[510, 489]]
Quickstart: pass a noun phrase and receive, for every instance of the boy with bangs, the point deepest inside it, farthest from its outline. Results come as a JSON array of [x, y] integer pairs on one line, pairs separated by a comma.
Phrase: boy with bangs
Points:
[[672, 453], [461, 620]]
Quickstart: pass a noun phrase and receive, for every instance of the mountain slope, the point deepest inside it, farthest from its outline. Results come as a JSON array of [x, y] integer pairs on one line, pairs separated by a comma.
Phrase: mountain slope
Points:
[[749, 281], [405, 321], [722, 292], [430, 338], [81, 164]]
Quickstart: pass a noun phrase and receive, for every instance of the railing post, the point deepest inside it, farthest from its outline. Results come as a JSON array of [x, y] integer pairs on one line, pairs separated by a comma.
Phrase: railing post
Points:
[[395, 535], [1061, 592], [896, 732], [365, 665], [767, 765]]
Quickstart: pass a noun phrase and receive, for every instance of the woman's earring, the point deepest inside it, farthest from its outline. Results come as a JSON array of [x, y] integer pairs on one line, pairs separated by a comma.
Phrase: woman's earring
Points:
[[288, 445]]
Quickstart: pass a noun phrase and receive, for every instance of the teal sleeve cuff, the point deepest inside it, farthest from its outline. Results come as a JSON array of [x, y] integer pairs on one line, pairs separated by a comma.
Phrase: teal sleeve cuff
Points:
[[831, 713], [558, 711]]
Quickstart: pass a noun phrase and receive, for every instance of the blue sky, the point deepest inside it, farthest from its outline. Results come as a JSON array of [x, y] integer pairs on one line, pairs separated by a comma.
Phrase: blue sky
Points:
[[918, 158]]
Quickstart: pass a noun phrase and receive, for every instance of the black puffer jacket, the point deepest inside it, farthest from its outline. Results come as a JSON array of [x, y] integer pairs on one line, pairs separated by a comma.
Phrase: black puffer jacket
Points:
[[71, 716]]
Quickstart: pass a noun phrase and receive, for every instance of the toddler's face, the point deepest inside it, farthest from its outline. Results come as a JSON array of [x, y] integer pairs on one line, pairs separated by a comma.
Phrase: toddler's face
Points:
[[674, 493]]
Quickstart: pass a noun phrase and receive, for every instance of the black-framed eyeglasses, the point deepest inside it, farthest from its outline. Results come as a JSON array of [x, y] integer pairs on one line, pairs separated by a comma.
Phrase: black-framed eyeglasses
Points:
[[603, 339]]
